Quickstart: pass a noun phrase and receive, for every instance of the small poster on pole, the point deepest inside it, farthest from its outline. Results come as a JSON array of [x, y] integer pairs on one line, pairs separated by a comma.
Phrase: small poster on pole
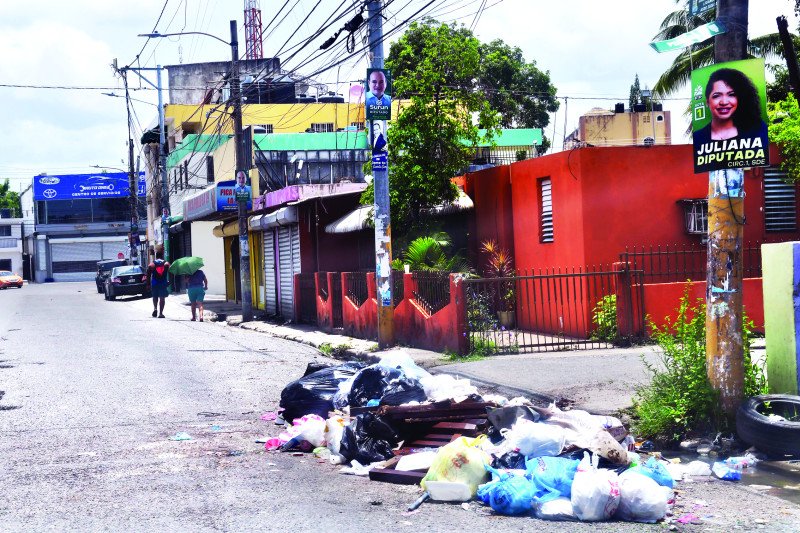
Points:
[[378, 103], [698, 7], [729, 116]]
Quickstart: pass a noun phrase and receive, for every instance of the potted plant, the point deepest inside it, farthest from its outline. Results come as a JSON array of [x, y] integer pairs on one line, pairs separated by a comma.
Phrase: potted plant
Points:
[[500, 264]]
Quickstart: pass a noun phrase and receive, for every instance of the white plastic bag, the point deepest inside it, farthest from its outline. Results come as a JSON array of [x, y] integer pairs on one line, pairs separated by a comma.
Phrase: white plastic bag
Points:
[[595, 492], [558, 509], [534, 439], [403, 361], [641, 498], [446, 387], [334, 427]]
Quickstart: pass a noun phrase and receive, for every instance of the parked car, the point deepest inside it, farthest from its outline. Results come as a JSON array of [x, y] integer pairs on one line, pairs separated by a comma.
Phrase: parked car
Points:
[[104, 269], [126, 280], [9, 279]]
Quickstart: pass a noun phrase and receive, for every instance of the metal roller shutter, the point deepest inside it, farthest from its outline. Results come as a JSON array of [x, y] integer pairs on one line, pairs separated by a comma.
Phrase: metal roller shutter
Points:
[[76, 261], [270, 304], [288, 265]]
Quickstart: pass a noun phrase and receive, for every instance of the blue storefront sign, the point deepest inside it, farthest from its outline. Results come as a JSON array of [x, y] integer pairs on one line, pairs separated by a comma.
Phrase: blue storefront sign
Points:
[[226, 197], [85, 186]]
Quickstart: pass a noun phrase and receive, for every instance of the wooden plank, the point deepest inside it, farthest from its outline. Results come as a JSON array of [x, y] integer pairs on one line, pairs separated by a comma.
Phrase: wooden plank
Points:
[[398, 477], [454, 427]]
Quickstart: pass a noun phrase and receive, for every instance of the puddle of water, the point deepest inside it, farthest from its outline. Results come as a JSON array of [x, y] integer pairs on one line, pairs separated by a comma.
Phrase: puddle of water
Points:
[[777, 478]]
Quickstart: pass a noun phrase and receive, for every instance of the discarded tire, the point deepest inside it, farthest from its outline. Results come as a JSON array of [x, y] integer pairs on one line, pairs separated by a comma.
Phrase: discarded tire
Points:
[[777, 436]]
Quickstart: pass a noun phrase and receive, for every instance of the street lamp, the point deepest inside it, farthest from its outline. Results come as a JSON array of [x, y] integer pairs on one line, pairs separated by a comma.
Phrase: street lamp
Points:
[[236, 100]]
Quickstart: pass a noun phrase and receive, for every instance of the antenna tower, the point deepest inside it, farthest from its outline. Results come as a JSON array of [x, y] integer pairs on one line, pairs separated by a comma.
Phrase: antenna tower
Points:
[[252, 29]]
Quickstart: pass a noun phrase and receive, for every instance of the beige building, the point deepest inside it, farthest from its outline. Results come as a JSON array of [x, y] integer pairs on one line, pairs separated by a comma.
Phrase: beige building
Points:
[[618, 127]]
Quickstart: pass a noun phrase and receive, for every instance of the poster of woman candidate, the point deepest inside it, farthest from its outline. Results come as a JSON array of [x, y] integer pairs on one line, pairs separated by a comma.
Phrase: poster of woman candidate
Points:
[[378, 102], [729, 116]]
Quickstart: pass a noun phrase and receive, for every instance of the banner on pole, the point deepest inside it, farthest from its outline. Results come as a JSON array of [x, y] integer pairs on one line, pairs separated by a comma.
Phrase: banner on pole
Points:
[[697, 35], [378, 103], [729, 116], [698, 7]]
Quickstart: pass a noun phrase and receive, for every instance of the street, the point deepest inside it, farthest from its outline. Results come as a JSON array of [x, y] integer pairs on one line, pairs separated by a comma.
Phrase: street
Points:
[[91, 392]]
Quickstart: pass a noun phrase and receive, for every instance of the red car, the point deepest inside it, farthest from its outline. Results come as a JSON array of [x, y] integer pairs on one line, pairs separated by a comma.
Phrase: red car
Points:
[[9, 279]]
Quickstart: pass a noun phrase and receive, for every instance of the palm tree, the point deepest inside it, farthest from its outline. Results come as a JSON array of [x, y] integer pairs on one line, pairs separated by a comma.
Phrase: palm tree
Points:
[[679, 73]]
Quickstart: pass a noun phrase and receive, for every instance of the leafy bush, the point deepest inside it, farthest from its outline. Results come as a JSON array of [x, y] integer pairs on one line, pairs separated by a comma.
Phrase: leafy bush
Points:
[[604, 318], [680, 398]]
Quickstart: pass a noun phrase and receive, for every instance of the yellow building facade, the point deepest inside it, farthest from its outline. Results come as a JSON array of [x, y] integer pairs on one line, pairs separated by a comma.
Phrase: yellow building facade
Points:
[[601, 127]]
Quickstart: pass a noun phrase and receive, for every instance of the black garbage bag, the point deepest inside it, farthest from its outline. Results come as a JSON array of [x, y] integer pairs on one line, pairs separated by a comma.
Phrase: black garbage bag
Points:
[[389, 385], [513, 460], [367, 439], [313, 393]]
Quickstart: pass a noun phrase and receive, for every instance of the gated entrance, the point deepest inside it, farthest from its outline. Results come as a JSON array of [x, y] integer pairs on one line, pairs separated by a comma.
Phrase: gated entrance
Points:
[[555, 310]]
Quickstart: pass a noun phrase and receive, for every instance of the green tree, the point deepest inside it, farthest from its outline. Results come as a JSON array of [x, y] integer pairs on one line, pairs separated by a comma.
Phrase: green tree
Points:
[[636, 93], [434, 137], [515, 88], [679, 73], [784, 130], [9, 199]]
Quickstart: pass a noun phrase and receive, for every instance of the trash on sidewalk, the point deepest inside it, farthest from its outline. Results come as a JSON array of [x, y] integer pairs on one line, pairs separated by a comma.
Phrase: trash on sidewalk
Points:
[[181, 436], [395, 423]]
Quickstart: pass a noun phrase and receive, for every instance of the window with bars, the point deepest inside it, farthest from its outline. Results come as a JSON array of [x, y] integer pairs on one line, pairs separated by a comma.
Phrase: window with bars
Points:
[[780, 202], [263, 128], [357, 125], [322, 127], [545, 210]]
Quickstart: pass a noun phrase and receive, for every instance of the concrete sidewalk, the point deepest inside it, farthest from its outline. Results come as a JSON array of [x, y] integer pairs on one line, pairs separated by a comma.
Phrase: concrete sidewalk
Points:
[[601, 381]]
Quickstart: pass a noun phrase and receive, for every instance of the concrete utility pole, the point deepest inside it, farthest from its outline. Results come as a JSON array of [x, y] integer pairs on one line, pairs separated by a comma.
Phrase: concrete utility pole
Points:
[[133, 182], [241, 166], [724, 343], [383, 227]]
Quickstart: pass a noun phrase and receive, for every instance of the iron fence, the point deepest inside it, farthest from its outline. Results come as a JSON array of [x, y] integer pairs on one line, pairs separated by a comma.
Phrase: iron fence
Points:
[[554, 310], [433, 290], [336, 300], [323, 285], [356, 287], [677, 263], [308, 301], [398, 286]]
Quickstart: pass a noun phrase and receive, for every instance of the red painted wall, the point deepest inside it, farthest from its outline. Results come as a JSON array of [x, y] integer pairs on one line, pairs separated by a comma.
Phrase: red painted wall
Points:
[[490, 190], [440, 331], [661, 299], [360, 322], [324, 306]]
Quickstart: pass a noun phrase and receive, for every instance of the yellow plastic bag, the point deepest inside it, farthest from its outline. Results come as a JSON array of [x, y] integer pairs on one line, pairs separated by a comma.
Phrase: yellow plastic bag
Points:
[[460, 461]]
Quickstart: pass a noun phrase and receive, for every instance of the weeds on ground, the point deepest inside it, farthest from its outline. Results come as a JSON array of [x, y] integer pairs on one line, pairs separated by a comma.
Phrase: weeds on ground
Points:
[[680, 399], [453, 357], [604, 318], [333, 351]]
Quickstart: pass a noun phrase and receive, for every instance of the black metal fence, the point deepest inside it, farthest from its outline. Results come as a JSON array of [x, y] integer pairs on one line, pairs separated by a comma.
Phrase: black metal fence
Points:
[[308, 300], [433, 290], [356, 287], [676, 263], [554, 310], [336, 303], [398, 286]]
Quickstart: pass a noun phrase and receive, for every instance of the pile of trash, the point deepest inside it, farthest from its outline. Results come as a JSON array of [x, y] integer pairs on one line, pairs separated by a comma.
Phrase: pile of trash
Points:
[[395, 422]]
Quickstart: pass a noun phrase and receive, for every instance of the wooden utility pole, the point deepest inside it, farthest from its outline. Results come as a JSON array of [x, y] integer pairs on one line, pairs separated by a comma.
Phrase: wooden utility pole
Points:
[[724, 344]]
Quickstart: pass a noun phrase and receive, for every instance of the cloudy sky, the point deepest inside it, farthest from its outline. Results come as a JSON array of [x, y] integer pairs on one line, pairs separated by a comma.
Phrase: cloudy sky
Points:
[[591, 48]]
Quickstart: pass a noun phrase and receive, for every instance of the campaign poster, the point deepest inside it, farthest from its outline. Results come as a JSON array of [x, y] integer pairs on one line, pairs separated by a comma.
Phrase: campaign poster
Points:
[[379, 144], [729, 116], [378, 103]]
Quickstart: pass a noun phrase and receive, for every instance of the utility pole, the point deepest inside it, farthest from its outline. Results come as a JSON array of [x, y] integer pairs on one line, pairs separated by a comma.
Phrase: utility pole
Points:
[[724, 343], [241, 166], [133, 181], [383, 226]]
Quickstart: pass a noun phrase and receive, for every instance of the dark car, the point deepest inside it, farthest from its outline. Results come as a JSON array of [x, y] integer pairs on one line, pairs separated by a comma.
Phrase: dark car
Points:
[[104, 269], [126, 280]]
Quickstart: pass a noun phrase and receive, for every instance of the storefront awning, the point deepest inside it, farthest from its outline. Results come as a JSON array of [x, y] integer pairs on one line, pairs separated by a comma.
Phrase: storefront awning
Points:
[[356, 220], [282, 217], [360, 218], [227, 229]]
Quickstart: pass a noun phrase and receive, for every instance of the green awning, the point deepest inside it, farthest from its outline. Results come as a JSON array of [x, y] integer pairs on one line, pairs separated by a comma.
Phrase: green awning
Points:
[[298, 142]]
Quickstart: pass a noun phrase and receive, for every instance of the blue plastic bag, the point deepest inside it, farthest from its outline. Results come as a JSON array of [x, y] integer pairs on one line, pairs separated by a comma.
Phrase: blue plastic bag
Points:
[[551, 477], [507, 494], [655, 471], [726, 472]]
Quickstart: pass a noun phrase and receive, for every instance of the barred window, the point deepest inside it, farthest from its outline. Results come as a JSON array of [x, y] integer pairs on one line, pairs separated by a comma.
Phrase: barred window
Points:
[[322, 127]]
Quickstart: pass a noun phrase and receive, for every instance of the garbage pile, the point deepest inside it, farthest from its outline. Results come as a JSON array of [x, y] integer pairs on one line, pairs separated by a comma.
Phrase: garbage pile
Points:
[[395, 422]]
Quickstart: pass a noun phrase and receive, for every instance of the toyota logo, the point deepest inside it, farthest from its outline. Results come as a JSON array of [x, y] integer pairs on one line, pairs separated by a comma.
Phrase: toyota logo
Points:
[[49, 193]]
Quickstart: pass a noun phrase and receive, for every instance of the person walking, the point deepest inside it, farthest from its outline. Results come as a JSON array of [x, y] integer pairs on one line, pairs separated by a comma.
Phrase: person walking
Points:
[[197, 285], [158, 276]]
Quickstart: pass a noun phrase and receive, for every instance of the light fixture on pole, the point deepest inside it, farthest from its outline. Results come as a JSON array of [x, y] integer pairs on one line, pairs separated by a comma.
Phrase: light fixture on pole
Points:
[[242, 166]]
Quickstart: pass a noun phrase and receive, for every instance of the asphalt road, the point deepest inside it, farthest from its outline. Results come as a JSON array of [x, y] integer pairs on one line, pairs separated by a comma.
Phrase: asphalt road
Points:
[[93, 391]]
